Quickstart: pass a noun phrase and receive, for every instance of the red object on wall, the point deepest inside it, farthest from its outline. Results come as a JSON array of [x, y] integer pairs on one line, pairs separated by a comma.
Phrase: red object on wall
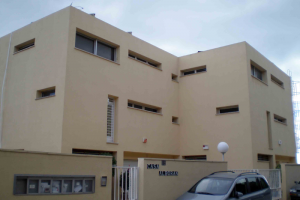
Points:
[[144, 140]]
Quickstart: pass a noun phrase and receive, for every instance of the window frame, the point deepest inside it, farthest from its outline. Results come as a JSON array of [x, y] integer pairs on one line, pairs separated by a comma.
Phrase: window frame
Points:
[[263, 72], [95, 45], [52, 178], [143, 106], [194, 70], [277, 81], [39, 93], [279, 119], [145, 60], [24, 46], [111, 138], [218, 109]]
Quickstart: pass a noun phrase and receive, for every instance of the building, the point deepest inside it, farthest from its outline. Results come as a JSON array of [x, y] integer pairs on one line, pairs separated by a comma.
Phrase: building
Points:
[[75, 84]]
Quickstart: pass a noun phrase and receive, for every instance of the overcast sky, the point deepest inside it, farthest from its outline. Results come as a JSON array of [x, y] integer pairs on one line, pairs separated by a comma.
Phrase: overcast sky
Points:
[[184, 27]]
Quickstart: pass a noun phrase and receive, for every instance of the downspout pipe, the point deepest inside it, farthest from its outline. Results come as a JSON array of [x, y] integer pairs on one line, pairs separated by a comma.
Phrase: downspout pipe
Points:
[[2, 91]]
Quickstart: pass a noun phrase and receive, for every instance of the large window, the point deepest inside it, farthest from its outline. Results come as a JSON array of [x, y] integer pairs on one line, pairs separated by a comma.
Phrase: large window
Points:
[[258, 72], [241, 186], [96, 47], [53, 184], [110, 119], [212, 186]]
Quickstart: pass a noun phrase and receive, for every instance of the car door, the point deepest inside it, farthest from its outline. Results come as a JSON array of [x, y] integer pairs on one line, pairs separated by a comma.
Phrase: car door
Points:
[[241, 187], [256, 193], [266, 191]]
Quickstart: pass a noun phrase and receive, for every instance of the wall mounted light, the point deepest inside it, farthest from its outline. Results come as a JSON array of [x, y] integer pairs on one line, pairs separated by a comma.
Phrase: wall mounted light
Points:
[[103, 181]]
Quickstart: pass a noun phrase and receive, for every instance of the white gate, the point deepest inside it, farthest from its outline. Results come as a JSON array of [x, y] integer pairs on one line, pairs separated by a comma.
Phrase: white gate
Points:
[[273, 177], [125, 183]]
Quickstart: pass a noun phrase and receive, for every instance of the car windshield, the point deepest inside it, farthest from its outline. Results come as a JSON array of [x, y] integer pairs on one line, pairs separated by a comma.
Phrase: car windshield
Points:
[[212, 186]]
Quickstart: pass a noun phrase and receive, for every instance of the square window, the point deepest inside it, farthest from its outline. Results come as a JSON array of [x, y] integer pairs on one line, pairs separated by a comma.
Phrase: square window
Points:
[[67, 186], [174, 120], [33, 186], [78, 186], [45, 186], [88, 185], [56, 186]]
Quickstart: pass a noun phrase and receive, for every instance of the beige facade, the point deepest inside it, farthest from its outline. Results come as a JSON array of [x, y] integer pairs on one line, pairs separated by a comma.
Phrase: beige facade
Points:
[[52, 166], [76, 117]]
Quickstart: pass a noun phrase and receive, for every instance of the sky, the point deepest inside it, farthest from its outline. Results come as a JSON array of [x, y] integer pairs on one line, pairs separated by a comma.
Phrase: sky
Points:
[[185, 27]]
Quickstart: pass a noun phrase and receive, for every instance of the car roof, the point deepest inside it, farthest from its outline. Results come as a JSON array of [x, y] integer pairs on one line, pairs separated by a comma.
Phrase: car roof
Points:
[[232, 175]]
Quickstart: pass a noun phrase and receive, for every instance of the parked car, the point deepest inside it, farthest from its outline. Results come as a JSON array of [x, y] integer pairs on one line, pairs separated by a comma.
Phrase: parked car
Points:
[[295, 191], [229, 185]]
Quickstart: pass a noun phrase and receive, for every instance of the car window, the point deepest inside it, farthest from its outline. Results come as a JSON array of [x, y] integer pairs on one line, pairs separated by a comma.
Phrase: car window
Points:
[[215, 186], [263, 183], [241, 186], [253, 184]]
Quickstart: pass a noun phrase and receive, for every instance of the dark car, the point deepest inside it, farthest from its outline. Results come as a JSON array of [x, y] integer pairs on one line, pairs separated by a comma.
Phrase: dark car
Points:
[[295, 191], [229, 186]]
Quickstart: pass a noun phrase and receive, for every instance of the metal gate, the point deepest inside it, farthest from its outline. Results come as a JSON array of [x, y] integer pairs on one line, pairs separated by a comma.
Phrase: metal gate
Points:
[[273, 177], [125, 185]]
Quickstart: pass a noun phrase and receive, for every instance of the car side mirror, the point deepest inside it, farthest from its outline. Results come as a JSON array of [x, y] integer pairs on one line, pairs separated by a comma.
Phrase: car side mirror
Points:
[[238, 194]]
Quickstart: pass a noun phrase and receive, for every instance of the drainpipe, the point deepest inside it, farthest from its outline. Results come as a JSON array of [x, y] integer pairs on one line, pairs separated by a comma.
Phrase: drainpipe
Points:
[[2, 91]]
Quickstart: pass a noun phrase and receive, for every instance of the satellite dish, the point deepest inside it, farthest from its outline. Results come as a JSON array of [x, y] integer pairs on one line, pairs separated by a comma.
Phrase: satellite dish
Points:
[[223, 148]]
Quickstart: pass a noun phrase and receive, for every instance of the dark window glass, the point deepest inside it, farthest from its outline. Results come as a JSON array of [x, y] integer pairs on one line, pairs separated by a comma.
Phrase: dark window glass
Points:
[[141, 59], [201, 70], [67, 186], [263, 157], [154, 65], [88, 186], [33, 186], [195, 157], [21, 186], [130, 104], [105, 51], [229, 110], [25, 46], [131, 56], [84, 43], [48, 93], [258, 74], [138, 106], [241, 186], [263, 183], [151, 109], [252, 70], [253, 184], [189, 72]]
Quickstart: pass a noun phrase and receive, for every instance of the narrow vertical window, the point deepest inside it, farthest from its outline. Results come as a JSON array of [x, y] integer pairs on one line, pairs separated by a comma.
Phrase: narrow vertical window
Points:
[[269, 130], [110, 119]]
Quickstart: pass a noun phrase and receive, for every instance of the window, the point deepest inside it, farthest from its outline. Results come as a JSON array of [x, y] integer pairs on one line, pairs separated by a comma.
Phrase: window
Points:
[[144, 107], [174, 77], [44, 93], [94, 46], [24, 46], [193, 71], [263, 183], [241, 186], [214, 186], [175, 120], [277, 81], [258, 72], [53, 184], [261, 157], [254, 185], [144, 59], [110, 119], [228, 109], [200, 157], [277, 118]]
